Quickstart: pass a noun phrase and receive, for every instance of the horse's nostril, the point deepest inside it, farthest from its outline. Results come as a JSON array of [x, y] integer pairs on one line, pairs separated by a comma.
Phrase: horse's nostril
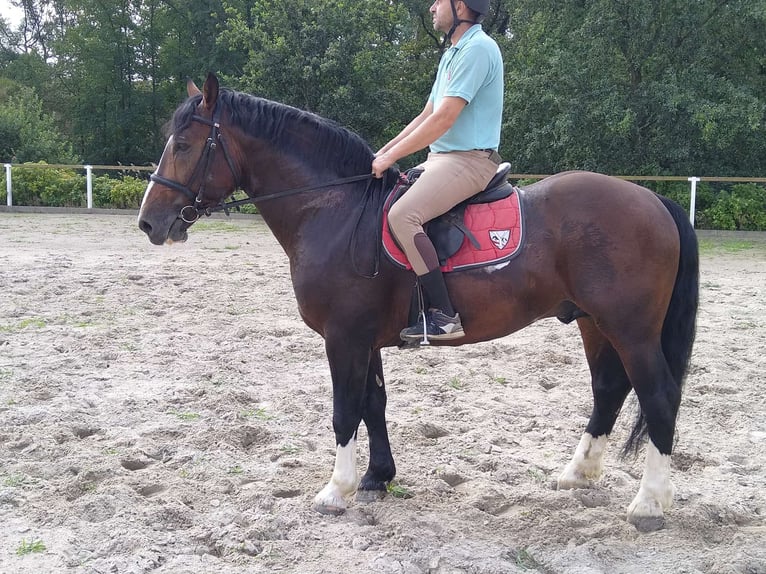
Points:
[[145, 226]]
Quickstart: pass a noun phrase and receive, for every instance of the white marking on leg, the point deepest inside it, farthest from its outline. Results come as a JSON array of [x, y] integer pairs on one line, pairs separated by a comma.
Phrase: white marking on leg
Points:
[[655, 493], [343, 482], [586, 464]]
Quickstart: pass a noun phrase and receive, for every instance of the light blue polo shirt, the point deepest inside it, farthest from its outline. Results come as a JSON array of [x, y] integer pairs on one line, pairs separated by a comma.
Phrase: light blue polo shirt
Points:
[[473, 70]]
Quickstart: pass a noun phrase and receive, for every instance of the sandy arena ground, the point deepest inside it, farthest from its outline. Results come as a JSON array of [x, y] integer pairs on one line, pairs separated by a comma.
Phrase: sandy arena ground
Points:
[[164, 409]]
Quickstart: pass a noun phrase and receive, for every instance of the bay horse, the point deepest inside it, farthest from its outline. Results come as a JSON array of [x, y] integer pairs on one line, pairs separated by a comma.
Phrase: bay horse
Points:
[[617, 258]]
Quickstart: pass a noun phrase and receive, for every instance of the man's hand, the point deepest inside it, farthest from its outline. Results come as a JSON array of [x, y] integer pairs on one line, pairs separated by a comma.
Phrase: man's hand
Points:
[[381, 163]]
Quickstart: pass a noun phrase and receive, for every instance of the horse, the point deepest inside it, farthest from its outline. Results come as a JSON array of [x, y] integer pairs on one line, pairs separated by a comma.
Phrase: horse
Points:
[[615, 257]]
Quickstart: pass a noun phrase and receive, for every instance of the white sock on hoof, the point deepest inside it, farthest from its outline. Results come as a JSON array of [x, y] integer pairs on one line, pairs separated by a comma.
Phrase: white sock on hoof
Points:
[[586, 464], [343, 481], [656, 491]]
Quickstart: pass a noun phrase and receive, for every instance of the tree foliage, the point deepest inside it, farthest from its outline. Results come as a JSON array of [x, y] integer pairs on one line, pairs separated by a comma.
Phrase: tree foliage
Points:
[[638, 86], [27, 132], [635, 87]]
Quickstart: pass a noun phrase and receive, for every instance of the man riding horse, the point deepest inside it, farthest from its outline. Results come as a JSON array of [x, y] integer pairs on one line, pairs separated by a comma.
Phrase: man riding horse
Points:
[[461, 124]]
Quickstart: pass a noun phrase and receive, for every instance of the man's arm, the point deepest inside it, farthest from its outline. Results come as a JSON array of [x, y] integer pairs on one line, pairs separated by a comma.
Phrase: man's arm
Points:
[[428, 109], [418, 135]]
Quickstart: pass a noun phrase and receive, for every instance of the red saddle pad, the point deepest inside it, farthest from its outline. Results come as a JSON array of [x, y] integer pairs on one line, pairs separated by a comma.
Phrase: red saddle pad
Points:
[[497, 227]]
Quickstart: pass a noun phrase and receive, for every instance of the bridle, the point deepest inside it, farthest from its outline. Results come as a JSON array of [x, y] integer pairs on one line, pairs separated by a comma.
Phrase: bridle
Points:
[[191, 213]]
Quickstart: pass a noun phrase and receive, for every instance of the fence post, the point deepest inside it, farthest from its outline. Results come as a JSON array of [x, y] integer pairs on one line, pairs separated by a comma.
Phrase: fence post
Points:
[[89, 185], [8, 185], [693, 200]]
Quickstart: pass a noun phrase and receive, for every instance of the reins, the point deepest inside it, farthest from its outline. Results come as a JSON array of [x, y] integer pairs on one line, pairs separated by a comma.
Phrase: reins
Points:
[[226, 206]]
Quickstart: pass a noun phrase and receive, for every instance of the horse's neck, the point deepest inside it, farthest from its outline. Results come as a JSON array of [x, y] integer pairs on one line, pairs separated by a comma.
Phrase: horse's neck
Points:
[[310, 216], [286, 163]]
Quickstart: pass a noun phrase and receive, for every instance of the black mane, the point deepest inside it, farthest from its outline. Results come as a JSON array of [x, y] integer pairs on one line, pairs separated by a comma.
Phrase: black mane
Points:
[[290, 130]]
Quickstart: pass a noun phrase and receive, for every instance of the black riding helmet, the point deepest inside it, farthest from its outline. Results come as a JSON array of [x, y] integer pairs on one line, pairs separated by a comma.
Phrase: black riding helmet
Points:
[[481, 7]]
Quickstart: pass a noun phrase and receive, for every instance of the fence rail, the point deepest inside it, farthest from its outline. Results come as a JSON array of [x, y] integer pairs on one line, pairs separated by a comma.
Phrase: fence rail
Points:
[[693, 180], [88, 175]]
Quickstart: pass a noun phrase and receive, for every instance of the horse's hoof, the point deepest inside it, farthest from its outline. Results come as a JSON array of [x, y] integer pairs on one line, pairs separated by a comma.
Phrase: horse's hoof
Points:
[[329, 509], [368, 496], [647, 523], [572, 481], [646, 514]]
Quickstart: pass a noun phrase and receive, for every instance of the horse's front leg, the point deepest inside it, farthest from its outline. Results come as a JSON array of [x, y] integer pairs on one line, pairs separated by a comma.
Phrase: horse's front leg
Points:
[[353, 368], [381, 469]]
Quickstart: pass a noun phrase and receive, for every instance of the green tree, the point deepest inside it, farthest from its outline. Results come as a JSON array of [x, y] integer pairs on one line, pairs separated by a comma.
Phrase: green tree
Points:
[[640, 86], [27, 133], [350, 61]]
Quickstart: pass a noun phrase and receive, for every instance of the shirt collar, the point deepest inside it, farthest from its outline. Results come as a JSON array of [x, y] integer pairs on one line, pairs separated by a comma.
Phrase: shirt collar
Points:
[[471, 32]]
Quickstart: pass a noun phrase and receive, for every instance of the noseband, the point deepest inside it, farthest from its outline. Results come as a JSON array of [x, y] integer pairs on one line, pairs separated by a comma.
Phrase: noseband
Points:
[[191, 213]]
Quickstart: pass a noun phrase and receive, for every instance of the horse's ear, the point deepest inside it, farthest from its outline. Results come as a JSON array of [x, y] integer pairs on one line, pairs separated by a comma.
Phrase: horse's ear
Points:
[[210, 91], [191, 88]]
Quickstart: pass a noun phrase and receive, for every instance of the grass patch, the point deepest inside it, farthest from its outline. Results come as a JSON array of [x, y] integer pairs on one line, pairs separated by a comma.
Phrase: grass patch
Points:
[[289, 449], [723, 245], [188, 416], [14, 480], [218, 226], [29, 323], [454, 383], [259, 413], [525, 561], [31, 547], [536, 475], [398, 491]]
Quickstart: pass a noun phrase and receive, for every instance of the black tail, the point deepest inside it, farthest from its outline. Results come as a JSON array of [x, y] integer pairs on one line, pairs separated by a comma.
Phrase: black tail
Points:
[[680, 325], [679, 328]]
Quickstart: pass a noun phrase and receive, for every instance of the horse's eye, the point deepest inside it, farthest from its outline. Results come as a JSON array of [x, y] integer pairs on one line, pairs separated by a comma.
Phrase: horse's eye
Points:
[[180, 147]]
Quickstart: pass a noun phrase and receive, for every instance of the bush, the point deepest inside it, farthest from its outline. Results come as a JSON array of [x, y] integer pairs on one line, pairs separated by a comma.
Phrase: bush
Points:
[[56, 187], [48, 187], [126, 193], [742, 209]]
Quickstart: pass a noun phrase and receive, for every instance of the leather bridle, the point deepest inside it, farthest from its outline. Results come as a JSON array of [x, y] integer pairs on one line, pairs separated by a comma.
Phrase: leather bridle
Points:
[[190, 213]]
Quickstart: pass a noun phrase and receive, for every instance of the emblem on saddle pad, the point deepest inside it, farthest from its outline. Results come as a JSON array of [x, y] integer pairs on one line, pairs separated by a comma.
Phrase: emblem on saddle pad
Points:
[[476, 235], [500, 238]]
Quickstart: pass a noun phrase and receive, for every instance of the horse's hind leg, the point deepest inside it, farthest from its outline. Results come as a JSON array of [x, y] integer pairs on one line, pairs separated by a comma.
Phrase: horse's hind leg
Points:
[[659, 396], [381, 469], [610, 386]]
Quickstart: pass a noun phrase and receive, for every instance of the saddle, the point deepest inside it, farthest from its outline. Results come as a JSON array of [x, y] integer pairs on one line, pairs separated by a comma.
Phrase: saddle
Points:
[[448, 231]]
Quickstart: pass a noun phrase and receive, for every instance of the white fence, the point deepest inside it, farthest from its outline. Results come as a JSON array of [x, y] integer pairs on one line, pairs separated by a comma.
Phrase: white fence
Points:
[[693, 181], [88, 175]]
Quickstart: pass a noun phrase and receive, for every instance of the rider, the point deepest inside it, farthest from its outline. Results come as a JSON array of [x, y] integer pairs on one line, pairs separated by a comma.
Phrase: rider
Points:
[[461, 124]]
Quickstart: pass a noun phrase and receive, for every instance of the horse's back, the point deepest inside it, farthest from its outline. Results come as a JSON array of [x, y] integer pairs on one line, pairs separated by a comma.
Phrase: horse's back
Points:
[[601, 202]]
